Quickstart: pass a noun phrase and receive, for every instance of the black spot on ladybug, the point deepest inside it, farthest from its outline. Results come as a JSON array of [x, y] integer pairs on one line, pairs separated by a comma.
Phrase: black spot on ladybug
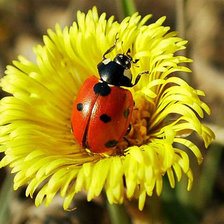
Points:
[[79, 106], [102, 89], [126, 113], [105, 118], [111, 143]]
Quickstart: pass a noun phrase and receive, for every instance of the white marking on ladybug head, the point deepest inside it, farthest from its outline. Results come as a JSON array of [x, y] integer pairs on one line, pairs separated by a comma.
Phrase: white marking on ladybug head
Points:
[[127, 73], [106, 61]]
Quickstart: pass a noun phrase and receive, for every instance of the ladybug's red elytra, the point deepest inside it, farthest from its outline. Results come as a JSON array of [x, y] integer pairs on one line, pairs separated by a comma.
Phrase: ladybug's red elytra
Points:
[[102, 110]]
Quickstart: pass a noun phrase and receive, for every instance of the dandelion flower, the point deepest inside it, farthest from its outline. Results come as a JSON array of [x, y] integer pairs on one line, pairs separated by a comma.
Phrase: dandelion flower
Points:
[[35, 125]]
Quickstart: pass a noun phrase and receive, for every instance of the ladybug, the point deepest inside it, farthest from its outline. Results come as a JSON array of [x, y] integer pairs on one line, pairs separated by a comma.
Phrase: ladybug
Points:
[[102, 110]]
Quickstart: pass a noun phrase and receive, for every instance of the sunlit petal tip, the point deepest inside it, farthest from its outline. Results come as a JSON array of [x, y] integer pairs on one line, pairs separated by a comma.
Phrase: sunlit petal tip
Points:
[[141, 201], [190, 180], [35, 126]]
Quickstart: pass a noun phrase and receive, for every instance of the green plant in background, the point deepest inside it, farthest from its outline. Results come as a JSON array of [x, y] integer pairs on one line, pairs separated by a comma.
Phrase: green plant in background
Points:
[[35, 122]]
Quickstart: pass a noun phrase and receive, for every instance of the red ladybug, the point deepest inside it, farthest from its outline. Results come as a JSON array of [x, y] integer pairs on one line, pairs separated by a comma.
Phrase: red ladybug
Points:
[[102, 110]]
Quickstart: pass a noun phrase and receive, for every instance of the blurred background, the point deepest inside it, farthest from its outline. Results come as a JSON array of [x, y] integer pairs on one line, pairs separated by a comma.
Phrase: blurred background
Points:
[[22, 25]]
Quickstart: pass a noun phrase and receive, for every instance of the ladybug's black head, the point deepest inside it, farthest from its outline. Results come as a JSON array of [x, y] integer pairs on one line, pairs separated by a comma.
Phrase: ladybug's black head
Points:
[[123, 60], [117, 72]]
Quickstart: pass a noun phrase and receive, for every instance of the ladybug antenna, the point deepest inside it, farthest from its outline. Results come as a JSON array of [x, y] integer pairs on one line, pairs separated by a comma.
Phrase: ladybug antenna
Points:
[[111, 48], [122, 47], [130, 57]]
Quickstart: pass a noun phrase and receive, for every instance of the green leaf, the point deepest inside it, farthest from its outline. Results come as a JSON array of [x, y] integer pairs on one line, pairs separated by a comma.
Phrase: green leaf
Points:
[[173, 210]]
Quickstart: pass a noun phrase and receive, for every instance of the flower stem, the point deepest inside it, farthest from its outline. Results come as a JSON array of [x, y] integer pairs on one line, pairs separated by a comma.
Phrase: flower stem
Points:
[[5, 195], [128, 7], [116, 213], [180, 17]]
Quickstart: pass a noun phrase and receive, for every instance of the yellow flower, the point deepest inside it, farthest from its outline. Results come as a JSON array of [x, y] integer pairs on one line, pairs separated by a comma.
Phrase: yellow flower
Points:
[[35, 127]]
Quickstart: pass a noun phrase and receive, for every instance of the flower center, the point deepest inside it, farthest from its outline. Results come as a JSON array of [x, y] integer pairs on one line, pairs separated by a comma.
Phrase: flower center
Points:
[[139, 131]]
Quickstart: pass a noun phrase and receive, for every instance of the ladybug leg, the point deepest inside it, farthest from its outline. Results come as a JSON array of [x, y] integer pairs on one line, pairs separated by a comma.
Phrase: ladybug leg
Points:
[[139, 76], [71, 128], [128, 131], [135, 61], [126, 140], [111, 48]]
